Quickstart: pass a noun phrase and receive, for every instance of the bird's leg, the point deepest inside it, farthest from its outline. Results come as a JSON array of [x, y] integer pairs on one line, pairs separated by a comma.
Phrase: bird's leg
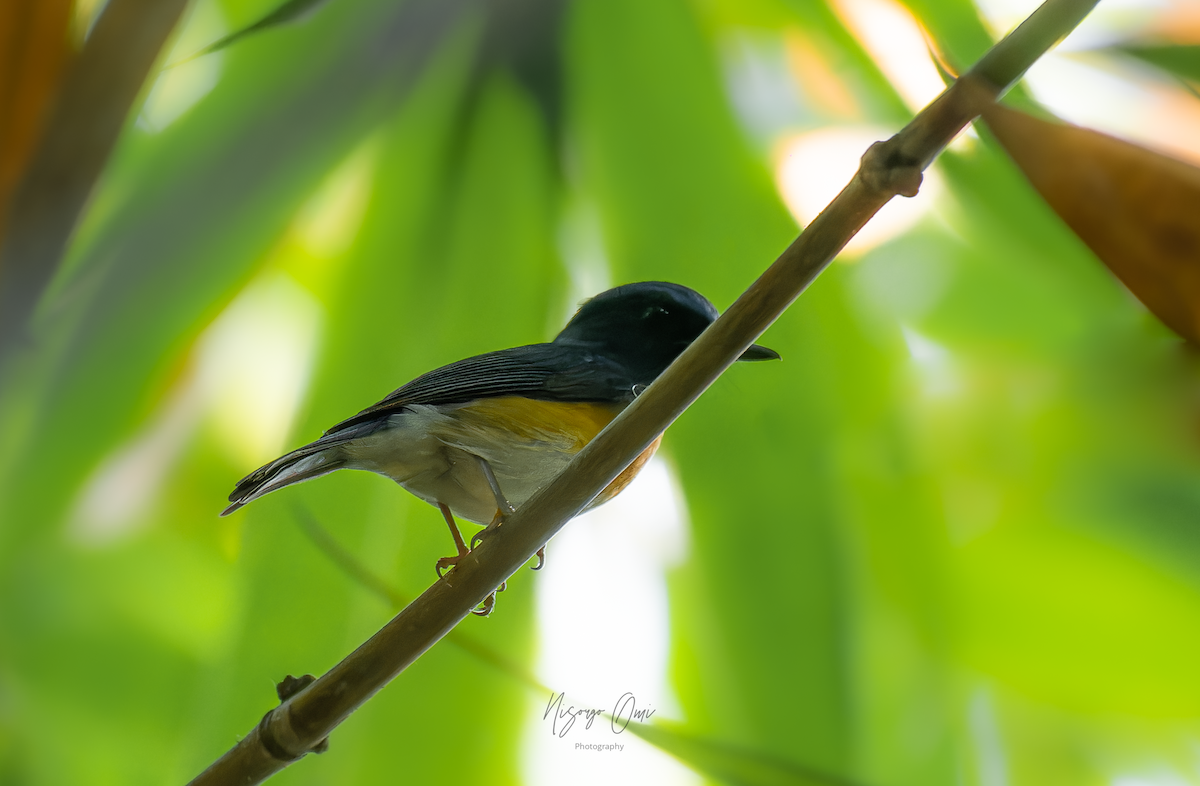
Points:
[[503, 506], [497, 520], [489, 603], [463, 551]]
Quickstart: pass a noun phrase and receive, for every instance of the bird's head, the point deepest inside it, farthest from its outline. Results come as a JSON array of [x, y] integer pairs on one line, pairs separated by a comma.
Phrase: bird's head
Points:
[[645, 326]]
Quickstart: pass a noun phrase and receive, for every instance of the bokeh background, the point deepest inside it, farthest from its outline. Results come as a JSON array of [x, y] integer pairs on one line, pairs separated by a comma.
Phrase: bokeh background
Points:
[[953, 538]]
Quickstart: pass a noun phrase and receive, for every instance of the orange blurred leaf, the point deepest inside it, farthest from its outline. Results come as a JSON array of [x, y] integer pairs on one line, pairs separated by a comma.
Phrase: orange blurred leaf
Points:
[[1138, 210], [79, 132], [36, 45]]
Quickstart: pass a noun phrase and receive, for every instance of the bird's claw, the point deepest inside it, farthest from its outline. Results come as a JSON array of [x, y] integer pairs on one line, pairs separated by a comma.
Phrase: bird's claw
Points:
[[485, 608], [497, 520], [541, 555], [447, 562]]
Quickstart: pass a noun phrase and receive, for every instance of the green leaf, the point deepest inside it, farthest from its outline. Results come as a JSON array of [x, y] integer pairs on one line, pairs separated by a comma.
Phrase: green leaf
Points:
[[286, 13], [730, 764], [1181, 60]]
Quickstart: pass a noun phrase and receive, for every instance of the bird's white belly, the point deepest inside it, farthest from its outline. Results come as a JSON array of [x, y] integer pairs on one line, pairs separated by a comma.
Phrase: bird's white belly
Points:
[[434, 451]]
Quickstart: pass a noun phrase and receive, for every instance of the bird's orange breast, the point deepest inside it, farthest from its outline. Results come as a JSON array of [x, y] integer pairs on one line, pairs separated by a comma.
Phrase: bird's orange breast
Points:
[[529, 419], [577, 422], [626, 477]]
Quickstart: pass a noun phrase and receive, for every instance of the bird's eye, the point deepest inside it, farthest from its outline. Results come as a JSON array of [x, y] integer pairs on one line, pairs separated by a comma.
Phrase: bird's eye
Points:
[[652, 311]]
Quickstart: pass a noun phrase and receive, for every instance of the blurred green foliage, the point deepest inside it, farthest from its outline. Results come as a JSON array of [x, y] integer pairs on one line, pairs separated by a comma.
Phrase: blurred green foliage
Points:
[[952, 538]]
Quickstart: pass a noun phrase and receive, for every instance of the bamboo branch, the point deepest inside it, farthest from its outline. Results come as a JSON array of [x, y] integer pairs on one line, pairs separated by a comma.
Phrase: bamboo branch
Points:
[[707, 756], [361, 574], [289, 731]]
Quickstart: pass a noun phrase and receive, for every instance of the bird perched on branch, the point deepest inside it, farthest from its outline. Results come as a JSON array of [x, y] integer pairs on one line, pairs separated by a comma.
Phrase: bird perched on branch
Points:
[[478, 437]]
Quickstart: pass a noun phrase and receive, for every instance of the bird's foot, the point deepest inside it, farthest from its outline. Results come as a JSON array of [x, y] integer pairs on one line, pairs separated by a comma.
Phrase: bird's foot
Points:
[[484, 609], [448, 562], [497, 520], [445, 563], [541, 555]]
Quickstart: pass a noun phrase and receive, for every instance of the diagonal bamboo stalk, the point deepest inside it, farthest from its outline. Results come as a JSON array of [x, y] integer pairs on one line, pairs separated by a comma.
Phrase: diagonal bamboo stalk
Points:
[[718, 754], [289, 731]]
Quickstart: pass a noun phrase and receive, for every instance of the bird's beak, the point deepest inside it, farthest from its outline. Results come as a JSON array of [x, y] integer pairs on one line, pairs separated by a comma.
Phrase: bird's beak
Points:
[[758, 352]]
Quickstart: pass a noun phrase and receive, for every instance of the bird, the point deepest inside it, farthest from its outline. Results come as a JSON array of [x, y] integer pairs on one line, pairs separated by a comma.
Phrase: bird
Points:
[[478, 437]]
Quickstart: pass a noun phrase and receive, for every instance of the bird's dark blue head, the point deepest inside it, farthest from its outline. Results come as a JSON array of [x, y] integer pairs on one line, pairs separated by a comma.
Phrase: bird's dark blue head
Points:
[[645, 326]]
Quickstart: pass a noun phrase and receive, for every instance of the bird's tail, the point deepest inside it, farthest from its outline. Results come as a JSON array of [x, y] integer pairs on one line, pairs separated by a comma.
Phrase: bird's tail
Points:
[[310, 461]]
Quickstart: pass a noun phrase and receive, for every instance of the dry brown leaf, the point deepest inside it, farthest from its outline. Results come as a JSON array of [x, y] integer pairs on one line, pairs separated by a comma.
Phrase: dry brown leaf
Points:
[[36, 47], [1138, 210], [79, 132]]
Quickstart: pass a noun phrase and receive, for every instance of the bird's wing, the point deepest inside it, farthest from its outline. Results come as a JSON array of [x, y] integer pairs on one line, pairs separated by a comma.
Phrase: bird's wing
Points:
[[550, 372]]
